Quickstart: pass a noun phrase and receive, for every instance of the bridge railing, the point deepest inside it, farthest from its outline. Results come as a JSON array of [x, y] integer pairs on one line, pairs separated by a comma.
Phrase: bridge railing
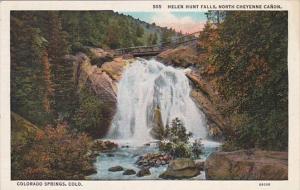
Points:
[[186, 39]]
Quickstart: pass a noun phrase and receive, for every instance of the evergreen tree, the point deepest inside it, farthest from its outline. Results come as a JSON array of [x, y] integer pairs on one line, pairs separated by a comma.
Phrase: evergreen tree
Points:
[[62, 70], [28, 86], [139, 31], [154, 39], [150, 39]]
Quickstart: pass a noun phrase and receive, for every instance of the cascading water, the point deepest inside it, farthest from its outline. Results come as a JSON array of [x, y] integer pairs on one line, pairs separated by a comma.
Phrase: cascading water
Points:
[[145, 86]]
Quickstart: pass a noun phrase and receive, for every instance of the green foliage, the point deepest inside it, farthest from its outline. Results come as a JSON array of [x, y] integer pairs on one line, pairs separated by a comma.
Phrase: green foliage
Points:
[[176, 142], [62, 70], [197, 148], [152, 39], [28, 86], [139, 31], [247, 53], [106, 29], [177, 132], [167, 35], [215, 17], [90, 114]]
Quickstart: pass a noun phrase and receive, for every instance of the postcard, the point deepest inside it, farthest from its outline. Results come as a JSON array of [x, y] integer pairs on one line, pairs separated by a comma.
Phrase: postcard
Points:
[[150, 95]]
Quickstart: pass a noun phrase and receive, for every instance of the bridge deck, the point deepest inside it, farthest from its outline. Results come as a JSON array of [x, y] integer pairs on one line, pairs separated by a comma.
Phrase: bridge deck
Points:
[[156, 49]]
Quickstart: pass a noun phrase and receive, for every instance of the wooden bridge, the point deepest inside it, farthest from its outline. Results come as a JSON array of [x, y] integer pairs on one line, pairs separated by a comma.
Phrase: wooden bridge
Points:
[[140, 51]]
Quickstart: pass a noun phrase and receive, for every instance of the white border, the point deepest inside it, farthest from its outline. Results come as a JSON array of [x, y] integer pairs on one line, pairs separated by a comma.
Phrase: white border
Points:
[[294, 104]]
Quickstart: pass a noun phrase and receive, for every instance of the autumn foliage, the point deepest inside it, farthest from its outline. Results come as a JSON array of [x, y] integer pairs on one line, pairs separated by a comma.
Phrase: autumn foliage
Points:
[[54, 153]]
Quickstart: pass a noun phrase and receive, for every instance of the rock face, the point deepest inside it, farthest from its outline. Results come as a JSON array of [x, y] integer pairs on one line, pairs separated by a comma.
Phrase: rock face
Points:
[[247, 165], [203, 95], [180, 169], [101, 79]]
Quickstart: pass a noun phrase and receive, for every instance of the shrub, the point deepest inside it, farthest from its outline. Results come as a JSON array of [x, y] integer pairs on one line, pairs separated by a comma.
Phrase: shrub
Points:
[[90, 114], [197, 148], [56, 153], [176, 141]]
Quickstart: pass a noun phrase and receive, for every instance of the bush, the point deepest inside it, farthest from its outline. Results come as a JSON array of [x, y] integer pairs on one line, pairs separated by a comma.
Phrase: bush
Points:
[[77, 47], [56, 153], [176, 142], [197, 148], [90, 114]]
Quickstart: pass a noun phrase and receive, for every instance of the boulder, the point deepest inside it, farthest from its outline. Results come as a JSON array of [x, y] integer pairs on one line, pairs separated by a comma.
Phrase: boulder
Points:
[[104, 146], [200, 164], [153, 160], [143, 172], [129, 172], [247, 165], [116, 169], [110, 155], [180, 169]]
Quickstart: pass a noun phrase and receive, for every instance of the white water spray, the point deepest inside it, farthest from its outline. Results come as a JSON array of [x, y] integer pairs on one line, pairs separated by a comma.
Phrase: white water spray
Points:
[[146, 85]]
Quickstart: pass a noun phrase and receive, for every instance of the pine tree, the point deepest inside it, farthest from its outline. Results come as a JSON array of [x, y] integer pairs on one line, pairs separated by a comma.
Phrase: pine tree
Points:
[[139, 31], [154, 39], [150, 39], [28, 82], [62, 70], [48, 94]]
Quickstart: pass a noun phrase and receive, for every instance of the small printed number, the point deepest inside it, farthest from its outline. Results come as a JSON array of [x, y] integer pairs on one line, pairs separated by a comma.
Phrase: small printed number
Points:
[[264, 184]]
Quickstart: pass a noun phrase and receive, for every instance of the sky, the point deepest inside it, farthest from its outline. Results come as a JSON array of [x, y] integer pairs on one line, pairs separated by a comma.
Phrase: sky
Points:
[[187, 22]]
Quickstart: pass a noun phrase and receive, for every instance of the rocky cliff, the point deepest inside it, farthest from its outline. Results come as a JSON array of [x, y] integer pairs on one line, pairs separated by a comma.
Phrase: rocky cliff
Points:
[[99, 72]]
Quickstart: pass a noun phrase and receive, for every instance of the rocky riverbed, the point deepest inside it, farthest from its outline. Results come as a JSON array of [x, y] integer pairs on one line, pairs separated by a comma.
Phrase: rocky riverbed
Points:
[[130, 161]]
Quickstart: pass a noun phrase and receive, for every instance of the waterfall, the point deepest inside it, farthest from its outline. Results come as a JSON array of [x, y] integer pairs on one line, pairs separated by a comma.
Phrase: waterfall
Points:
[[145, 86]]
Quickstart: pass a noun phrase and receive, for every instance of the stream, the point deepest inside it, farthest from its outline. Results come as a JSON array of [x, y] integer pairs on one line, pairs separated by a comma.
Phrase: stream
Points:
[[128, 155], [147, 85]]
